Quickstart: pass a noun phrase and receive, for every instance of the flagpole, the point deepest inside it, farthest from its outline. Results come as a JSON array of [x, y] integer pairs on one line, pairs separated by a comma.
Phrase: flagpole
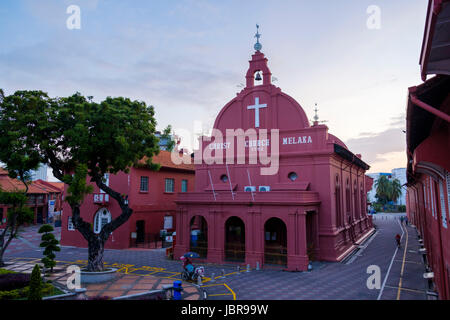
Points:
[[250, 182], [229, 180], [212, 185]]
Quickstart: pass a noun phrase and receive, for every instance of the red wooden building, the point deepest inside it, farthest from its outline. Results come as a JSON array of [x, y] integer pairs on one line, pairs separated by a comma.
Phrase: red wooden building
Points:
[[428, 146], [151, 195]]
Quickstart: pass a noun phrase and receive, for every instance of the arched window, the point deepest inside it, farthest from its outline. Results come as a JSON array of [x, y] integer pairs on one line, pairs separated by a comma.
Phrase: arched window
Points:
[[102, 217], [337, 194]]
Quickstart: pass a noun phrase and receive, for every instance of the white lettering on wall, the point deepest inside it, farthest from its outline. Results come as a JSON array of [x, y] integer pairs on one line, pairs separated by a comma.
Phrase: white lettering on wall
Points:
[[297, 140]]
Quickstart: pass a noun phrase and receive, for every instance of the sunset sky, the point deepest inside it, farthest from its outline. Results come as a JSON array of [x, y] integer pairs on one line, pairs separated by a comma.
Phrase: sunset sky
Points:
[[187, 58]]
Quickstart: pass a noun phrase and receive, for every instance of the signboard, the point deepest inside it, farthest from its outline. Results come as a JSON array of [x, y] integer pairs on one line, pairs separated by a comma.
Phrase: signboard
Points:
[[168, 222], [51, 208]]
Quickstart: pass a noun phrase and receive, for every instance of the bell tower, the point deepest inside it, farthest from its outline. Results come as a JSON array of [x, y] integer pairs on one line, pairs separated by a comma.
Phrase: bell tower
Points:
[[258, 64]]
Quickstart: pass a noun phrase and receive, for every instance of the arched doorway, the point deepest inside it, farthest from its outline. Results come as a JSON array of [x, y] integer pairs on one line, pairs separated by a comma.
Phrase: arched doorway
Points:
[[199, 236], [275, 244], [234, 239]]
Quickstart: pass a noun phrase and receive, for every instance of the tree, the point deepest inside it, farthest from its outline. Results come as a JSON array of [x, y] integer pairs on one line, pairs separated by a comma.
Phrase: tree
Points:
[[17, 215], [50, 244], [167, 138], [19, 160], [35, 292], [383, 189], [396, 190], [82, 140]]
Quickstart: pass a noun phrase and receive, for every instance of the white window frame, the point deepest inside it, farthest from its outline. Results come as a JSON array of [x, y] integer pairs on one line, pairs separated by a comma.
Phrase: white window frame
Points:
[[148, 183], [168, 184], [106, 176], [70, 225], [98, 224]]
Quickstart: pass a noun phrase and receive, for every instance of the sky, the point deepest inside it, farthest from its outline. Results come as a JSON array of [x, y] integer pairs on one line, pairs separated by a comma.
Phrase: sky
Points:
[[188, 57]]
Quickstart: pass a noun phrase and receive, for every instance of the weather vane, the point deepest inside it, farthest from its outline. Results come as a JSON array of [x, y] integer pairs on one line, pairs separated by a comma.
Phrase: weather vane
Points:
[[316, 117], [257, 45]]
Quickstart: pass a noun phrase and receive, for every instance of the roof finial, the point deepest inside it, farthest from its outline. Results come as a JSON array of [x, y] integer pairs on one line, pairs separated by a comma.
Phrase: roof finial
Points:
[[257, 45], [316, 117]]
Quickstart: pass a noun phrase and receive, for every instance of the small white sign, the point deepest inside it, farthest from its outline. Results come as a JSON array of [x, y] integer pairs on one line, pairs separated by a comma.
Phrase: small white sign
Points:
[[168, 222]]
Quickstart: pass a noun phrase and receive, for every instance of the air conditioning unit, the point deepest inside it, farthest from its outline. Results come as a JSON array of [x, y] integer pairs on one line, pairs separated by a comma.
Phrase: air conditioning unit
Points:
[[264, 188], [250, 189]]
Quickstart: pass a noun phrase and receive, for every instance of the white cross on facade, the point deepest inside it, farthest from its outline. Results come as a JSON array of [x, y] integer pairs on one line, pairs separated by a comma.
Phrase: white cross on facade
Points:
[[257, 106]]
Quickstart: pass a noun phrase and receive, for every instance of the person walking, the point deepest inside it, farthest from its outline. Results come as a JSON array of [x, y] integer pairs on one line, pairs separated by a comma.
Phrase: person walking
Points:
[[406, 220], [397, 239]]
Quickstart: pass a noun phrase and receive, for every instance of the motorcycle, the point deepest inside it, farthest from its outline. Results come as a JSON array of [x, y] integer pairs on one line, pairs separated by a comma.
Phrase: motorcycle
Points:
[[191, 273]]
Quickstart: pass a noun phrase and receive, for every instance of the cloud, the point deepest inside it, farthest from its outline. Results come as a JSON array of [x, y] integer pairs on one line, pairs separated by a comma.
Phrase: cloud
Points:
[[383, 149]]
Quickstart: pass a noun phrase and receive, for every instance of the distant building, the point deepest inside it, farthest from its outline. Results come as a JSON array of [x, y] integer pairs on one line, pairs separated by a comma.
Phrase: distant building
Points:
[[40, 173], [399, 174], [44, 198]]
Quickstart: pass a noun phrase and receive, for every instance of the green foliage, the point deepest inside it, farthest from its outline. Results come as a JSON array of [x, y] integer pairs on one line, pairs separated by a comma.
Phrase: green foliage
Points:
[[11, 294], [50, 244], [35, 288], [80, 140], [47, 290], [78, 188], [46, 228], [6, 271], [76, 135], [387, 190], [167, 137]]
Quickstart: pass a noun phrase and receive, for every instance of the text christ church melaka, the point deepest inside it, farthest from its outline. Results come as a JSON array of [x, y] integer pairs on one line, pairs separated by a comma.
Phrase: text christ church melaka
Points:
[[314, 206]]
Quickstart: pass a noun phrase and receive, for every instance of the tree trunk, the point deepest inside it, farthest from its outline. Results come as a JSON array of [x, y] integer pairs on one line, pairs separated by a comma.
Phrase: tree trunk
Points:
[[96, 248], [2, 263]]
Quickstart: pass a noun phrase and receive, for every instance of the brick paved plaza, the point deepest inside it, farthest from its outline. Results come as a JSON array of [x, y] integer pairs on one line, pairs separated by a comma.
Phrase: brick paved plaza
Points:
[[147, 269]]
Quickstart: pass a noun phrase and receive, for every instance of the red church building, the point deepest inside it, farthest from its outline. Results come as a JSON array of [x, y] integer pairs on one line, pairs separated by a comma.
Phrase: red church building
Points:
[[151, 196], [270, 187], [428, 147]]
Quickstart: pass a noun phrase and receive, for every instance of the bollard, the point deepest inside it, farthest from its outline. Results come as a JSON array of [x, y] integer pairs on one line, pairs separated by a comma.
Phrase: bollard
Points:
[[199, 281], [248, 268], [238, 270], [213, 278], [223, 273], [257, 265], [177, 288]]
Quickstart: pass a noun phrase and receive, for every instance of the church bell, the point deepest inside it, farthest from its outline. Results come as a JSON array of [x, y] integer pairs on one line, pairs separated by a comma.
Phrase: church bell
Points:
[[258, 76]]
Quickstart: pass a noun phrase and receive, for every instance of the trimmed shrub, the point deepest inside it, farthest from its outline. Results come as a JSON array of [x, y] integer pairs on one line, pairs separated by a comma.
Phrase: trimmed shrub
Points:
[[11, 281], [35, 292], [6, 271], [50, 244]]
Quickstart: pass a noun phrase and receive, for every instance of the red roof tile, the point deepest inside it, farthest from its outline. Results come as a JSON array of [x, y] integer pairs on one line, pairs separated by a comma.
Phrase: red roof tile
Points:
[[165, 160]]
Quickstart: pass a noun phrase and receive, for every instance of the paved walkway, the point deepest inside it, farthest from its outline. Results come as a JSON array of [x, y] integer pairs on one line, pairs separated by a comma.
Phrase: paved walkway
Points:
[[121, 285], [401, 270]]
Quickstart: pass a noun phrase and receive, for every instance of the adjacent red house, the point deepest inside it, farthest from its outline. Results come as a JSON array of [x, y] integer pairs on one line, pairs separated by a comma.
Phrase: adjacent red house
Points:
[[428, 146], [151, 195], [308, 202], [39, 194]]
